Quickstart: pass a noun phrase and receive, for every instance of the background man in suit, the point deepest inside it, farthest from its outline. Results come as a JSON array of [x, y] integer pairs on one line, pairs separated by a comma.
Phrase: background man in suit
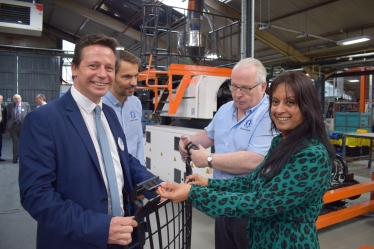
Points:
[[17, 112], [40, 100], [63, 178], [128, 107], [2, 124]]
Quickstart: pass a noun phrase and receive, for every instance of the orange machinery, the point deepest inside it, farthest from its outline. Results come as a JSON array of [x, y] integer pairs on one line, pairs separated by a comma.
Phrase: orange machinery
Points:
[[186, 72], [349, 212]]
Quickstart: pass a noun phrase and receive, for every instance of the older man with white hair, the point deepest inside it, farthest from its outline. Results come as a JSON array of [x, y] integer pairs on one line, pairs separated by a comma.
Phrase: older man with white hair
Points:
[[17, 111]]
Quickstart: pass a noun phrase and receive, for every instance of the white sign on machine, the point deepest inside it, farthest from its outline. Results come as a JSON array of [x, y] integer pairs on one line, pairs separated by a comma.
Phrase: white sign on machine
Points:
[[162, 155]]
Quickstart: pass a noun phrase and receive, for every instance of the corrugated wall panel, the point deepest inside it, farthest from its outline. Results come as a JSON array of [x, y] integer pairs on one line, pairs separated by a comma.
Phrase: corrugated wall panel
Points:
[[8, 76], [39, 74]]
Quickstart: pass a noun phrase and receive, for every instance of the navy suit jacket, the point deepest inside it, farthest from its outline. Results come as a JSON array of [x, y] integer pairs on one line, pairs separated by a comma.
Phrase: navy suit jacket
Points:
[[60, 180]]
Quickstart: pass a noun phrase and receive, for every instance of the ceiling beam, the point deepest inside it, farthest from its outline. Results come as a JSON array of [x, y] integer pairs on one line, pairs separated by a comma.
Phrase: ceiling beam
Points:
[[263, 36], [302, 10], [99, 18], [85, 22], [104, 20], [222, 9]]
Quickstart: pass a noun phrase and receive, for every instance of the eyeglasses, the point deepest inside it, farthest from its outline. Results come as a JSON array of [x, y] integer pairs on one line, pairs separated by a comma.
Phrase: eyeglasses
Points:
[[243, 89]]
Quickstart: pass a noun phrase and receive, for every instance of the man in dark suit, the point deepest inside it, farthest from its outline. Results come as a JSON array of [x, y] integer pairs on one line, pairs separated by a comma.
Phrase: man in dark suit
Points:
[[3, 117], [17, 112], [63, 182]]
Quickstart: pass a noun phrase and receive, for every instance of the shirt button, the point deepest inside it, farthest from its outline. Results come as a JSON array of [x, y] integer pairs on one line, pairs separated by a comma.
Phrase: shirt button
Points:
[[105, 200]]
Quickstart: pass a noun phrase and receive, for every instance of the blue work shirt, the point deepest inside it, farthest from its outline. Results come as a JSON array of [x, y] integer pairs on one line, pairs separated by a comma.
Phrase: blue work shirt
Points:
[[130, 118], [252, 133]]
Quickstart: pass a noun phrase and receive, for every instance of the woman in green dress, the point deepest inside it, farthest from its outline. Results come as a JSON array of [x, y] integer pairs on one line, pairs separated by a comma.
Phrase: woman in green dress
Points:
[[284, 195]]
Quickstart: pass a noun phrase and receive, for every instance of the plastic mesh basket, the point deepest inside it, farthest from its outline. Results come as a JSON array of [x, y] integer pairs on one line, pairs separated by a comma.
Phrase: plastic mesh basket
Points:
[[161, 225], [169, 226]]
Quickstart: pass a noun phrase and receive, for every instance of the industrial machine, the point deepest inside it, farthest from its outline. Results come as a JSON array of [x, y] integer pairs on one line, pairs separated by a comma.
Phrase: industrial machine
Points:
[[187, 60]]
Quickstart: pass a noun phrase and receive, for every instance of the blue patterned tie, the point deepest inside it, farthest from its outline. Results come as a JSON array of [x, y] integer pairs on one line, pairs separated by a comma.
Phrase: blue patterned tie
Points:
[[108, 162], [17, 115]]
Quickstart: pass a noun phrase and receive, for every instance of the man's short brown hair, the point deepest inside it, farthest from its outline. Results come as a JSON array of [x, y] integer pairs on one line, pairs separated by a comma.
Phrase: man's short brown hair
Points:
[[93, 39], [42, 96], [128, 57]]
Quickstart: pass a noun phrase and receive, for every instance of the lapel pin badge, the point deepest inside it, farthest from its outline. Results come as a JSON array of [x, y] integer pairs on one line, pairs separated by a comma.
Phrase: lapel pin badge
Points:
[[120, 144]]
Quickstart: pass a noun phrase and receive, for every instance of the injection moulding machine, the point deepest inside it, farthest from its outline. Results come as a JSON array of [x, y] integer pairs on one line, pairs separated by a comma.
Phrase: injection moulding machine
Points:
[[161, 141]]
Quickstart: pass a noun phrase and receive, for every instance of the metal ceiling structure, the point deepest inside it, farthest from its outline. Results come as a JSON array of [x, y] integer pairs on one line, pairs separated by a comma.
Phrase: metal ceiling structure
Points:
[[289, 34]]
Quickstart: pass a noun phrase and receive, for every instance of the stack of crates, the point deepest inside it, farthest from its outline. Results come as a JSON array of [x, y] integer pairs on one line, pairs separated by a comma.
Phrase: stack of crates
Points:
[[354, 122], [354, 147], [336, 139], [364, 143], [351, 121]]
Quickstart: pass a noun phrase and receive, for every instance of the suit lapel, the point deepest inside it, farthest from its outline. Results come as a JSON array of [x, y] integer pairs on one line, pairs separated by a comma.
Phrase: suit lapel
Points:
[[22, 113], [12, 111], [76, 119]]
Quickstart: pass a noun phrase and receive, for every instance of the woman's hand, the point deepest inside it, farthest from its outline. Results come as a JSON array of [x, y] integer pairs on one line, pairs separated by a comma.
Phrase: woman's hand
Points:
[[197, 179], [174, 192]]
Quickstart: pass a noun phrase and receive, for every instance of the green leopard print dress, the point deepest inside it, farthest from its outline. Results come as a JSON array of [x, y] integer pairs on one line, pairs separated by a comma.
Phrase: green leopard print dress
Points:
[[282, 213]]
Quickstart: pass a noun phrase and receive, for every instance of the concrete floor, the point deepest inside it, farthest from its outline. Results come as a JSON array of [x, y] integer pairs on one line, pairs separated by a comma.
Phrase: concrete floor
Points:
[[18, 229]]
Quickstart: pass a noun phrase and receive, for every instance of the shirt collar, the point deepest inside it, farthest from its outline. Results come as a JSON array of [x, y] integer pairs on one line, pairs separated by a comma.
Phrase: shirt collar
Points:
[[110, 97], [251, 110], [87, 105]]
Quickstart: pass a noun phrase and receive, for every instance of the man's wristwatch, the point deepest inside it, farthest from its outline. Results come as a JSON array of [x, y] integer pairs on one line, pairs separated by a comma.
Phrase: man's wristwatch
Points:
[[210, 160]]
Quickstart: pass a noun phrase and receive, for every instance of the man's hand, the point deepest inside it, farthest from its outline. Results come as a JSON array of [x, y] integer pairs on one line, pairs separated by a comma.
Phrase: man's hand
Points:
[[182, 144], [197, 179], [120, 230], [199, 157]]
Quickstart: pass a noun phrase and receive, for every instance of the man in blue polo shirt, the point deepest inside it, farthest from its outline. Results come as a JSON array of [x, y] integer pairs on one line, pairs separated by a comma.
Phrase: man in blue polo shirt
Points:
[[241, 135], [128, 107]]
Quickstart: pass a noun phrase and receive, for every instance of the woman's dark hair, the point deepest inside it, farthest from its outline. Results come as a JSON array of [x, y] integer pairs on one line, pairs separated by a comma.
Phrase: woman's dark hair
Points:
[[299, 138]]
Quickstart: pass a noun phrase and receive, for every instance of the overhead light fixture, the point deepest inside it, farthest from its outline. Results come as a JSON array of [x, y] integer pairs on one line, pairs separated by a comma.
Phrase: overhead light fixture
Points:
[[213, 56], [302, 35], [225, 1], [354, 81], [359, 55], [354, 40], [264, 26]]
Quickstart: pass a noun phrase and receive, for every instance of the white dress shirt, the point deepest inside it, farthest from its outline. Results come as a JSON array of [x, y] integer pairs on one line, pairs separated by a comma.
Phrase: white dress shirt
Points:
[[87, 108]]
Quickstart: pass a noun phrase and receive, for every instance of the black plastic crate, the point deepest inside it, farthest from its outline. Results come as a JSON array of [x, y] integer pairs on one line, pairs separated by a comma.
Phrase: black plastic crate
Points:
[[352, 151], [338, 149], [365, 150]]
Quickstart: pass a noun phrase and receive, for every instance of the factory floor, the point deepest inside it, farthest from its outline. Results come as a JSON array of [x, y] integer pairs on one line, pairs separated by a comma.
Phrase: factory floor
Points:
[[18, 229]]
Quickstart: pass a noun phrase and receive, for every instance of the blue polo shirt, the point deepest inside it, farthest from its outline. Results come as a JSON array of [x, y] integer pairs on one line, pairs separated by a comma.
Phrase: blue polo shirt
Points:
[[130, 118], [252, 133]]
